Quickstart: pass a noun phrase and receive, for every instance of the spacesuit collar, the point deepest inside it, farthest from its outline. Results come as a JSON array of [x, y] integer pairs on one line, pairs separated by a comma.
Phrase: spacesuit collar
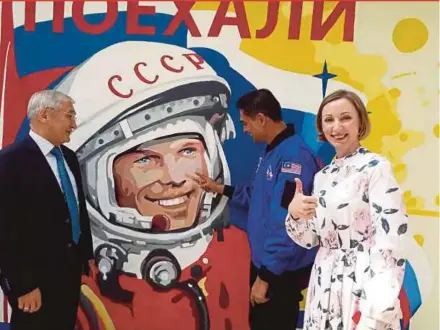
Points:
[[286, 133]]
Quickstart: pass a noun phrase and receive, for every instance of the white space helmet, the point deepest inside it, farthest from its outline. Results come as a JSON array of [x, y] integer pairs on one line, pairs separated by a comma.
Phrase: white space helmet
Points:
[[134, 92]]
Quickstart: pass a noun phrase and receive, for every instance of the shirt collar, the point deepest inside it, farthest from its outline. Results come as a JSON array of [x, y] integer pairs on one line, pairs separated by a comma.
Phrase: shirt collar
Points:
[[44, 145], [284, 134]]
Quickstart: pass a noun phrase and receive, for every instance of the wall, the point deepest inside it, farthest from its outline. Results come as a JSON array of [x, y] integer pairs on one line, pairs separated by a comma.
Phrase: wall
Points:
[[191, 271]]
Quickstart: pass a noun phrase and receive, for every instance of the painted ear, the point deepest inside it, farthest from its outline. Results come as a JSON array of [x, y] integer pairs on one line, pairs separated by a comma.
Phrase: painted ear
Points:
[[216, 118]]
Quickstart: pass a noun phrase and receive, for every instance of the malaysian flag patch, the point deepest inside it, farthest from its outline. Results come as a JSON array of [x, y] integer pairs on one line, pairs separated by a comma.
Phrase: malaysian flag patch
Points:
[[288, 167]]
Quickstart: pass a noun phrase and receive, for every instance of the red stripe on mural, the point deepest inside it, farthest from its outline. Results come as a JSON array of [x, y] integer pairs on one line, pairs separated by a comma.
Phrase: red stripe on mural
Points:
[[11, 88], [5, 309], [15, 91], [405, 307]]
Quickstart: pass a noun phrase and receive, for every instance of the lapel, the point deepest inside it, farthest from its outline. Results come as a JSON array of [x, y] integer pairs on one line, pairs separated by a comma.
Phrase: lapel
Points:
[[39, 165], [46, 176]]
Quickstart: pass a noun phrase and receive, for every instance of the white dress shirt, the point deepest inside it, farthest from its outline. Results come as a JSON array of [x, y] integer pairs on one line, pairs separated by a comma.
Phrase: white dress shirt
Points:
[[45, 147]]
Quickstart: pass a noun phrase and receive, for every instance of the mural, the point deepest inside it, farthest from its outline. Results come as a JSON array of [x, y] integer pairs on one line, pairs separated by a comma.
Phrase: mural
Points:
[[155, 86]]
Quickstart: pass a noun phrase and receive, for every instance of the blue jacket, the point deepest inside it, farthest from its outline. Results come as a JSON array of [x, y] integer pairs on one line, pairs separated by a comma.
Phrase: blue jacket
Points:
[[267, 198]]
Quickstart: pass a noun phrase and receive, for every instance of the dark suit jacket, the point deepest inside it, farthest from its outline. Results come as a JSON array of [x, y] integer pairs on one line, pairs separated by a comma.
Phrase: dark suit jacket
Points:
[[35, 230]]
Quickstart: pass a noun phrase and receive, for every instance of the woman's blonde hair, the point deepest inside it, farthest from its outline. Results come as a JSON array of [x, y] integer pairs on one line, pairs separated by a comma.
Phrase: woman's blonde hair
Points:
[[355, 100]]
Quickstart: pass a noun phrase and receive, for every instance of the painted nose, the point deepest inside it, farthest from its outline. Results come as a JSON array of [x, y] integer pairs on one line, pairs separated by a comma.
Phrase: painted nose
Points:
[[172, 172]]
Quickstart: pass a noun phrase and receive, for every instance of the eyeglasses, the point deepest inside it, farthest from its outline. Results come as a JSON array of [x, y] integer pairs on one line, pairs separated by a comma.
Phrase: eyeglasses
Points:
[[71, 116]]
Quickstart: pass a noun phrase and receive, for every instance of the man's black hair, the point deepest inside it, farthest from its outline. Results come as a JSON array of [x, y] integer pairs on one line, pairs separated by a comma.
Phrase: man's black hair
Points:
[[260, 101]]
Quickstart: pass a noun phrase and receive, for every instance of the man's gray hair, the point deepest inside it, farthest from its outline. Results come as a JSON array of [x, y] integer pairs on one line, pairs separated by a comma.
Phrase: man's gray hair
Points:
[[50, 99]]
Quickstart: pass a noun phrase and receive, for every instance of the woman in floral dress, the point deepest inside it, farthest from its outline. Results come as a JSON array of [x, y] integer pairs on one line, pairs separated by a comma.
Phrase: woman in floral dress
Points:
[[357, 216]]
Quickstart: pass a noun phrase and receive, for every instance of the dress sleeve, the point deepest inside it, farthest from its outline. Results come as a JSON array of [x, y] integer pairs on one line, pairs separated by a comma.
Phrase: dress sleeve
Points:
[[379, 305], [302, 232]]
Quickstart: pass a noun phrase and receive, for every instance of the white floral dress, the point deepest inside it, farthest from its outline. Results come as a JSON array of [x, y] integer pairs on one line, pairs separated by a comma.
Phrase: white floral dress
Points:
[[360, 222]]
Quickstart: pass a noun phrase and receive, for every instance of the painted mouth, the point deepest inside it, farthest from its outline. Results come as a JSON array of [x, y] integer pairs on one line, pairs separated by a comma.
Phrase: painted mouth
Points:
[[171, 202]]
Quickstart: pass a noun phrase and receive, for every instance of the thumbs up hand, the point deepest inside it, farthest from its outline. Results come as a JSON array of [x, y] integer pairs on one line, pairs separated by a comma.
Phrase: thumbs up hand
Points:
[[298, 186], [302, 206]]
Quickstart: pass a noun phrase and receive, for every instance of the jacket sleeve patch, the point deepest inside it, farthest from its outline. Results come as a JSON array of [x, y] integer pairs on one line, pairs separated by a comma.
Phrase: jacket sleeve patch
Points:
[[289, 167]]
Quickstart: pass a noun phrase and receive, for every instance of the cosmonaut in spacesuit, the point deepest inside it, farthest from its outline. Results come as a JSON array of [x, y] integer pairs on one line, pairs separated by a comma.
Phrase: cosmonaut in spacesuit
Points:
[[149, 115]]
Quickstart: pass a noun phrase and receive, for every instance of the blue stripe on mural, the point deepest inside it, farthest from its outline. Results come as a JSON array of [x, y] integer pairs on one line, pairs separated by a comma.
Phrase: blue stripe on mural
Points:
[[68, 53], [411, 287]]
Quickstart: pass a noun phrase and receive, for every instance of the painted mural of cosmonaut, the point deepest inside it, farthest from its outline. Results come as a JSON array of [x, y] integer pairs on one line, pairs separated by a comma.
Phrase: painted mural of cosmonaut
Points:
[[164, 261], [156, 116]]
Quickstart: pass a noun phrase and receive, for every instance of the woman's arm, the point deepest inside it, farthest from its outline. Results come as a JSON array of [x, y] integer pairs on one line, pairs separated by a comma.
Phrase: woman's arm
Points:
[[379, 303]]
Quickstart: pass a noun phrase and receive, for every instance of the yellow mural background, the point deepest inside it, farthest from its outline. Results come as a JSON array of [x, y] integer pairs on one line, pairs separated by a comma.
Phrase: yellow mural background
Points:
[[393, 60]]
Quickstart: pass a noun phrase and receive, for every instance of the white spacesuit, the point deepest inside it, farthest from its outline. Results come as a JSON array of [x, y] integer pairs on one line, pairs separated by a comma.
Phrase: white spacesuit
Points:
[[142, 91]]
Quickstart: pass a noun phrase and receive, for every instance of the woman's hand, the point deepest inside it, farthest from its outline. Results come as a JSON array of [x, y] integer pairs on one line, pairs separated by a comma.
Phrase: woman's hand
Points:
[[302, 206]]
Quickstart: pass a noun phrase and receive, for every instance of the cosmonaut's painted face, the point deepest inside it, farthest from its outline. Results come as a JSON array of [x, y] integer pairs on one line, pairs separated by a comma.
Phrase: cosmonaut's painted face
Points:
[[154, 179]]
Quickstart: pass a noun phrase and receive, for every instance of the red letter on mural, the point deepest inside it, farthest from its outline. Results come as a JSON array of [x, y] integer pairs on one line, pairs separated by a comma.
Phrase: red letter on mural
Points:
[[319, 29], [58, 17], [167, 66], [295, 19], [114, 90], [133, 13], [141, 77], [29, 16], [271, 20], [195, 59], [220, 20], [183, 15], [57, 21], [110, 18]]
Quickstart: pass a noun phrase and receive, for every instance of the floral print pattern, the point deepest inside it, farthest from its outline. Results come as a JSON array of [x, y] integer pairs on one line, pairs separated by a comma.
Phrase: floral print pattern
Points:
[[359, 225]]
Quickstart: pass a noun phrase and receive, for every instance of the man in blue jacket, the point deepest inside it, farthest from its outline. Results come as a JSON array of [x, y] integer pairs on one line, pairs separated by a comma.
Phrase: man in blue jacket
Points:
[[279, 268]]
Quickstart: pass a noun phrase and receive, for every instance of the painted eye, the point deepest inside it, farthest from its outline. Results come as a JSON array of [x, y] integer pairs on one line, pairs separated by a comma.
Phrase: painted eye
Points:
[[143, 160], [188, 151]]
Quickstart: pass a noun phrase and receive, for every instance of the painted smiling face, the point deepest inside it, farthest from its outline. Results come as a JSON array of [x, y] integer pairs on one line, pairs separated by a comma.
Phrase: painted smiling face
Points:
[[154, 180]]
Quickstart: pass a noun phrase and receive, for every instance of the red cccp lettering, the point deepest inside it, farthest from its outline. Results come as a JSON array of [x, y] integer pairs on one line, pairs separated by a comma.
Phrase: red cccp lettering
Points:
[[167, 63]]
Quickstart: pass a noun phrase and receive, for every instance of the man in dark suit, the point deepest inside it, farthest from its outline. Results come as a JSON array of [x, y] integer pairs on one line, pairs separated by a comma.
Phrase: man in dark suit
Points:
[[45, 239]]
